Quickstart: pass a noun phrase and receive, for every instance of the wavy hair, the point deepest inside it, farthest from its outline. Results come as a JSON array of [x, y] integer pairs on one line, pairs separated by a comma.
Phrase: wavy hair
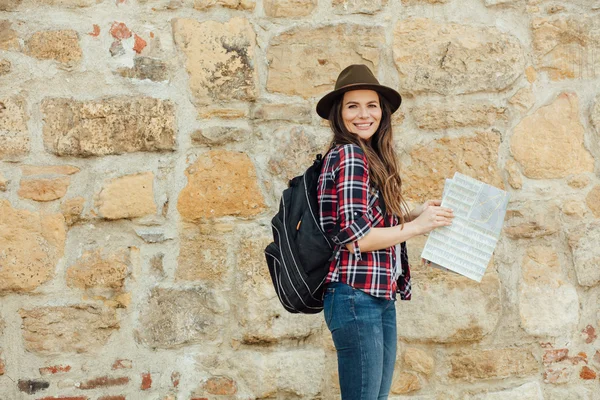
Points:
[[381, 157]]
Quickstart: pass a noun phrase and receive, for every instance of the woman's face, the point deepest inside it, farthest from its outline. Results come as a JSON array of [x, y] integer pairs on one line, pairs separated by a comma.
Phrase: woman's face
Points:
[[361, 112]]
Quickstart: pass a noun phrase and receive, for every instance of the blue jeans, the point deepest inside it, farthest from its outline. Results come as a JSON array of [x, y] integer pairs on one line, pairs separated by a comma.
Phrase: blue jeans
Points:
[[363, 328]]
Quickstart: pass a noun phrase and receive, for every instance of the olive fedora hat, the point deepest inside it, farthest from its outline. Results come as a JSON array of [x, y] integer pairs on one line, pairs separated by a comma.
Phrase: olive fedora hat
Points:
[[355, 77]]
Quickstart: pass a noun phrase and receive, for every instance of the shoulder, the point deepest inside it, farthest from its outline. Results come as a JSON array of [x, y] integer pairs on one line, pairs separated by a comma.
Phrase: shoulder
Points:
[[347, 153]]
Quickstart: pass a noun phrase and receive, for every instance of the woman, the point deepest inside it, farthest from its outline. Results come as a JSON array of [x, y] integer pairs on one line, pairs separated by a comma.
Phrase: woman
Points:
[[361, 206]]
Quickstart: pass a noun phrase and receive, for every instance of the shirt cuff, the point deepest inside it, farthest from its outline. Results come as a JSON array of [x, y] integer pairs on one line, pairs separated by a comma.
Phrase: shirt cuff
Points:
[[354, 232]]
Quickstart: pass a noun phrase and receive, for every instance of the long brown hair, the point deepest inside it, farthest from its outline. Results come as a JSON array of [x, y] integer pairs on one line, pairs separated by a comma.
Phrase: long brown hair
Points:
[[381, 157]]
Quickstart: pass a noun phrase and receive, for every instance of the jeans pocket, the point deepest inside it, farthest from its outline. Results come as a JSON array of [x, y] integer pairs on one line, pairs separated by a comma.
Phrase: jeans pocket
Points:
[[328, 305]]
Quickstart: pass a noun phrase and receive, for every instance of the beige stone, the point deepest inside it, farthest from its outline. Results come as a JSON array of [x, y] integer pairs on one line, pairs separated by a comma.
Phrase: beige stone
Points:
[[531, 74], [72, 209], [234, 4], [528, 391], [573, 208], [236, 112], [3, 183], [66, 3], [14, 134], [298, 113], [549, 143], [220, 183], [593, 200], [261, 317], [129, 196], [595, 116], [457, 308], [541, 267], [564, 46], [114, 125], [28, 170], [289, 8], [523, 100], [219, 59], [306, 61], [437, 116], [9, 5], [418, 360], [471, 365], [294, 150], [146, 68], [449, 58], [358, 6], [405, 382], [421, 2], [98, 268], [529, 219], [5, 67], [202, 257], [40, 189], [583, 241], [431, 163], [62, 46], [69, 329], [514, 175], [9, 40], [219, 135], [170, 318], [32, 244], [578, 181]]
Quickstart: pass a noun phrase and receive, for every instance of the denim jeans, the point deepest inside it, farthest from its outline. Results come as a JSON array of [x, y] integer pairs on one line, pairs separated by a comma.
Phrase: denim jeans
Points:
[[363, 328]]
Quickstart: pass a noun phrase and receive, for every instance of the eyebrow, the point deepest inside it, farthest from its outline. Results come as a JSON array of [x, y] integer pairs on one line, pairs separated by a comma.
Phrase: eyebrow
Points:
[[356, 102]]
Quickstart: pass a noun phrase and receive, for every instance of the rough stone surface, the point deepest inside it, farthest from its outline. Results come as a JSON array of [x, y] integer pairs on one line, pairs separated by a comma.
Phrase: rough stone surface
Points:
[[220, 183], [583, 241], [72, 209], [171, 318], [9, 5], [593, 200], [29, 170], [527, 220], [492, 364], [549, 143], [574, 208], [431, 163], [5, 67], [514, 175], [3, 183], [358, 6], [595, 115], [444, 116], [95, 269], [146, 68], [14, 135], [418, 360], [219, 135], [289, 8], [564, 46], [129, 196], [460, 309], [528, 391], [405, 382], [219, 58], [295, 149], [70, 329], [260, 314], [307, 61], [62, 46], [113, 125], [234, 4], [32, 244], [298, 113], [548, 306], [523, 100], [578, 181], [202, 256], [438, 57], [40, 189], [9, 39]]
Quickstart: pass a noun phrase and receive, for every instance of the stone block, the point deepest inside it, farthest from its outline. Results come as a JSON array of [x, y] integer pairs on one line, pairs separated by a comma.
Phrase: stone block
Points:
[[129, 196], [442, 116], [593, 200], [528, 391], [146, 68], [202, 256], [298, 113], [289, 8], [100, 268], [9, 39], [358, 6], [450, 58], [62, 46], [67, 329], [232, 4], [220, 183], [44, 189], [14, 134], [473, 365], [31, 243], [550, 142], [583, 241], [114, 125], [306, 61], [418, 360], [529, 219]]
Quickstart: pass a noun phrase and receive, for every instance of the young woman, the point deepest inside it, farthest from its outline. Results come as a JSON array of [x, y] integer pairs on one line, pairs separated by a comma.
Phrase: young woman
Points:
[[361, 206]]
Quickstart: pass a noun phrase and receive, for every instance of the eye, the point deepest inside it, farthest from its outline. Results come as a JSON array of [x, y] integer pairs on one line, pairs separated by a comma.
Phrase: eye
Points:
[[352, 106], [373, 105]]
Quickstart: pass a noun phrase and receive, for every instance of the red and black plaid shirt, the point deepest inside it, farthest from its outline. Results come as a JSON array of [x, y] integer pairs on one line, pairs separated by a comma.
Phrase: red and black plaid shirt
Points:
[[347, 202]]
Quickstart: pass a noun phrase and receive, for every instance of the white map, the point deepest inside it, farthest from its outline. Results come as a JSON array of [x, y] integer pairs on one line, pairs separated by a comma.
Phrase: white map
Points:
[[467, 245]]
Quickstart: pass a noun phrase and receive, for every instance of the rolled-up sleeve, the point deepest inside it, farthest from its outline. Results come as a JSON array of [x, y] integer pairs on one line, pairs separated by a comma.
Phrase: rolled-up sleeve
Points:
[[352, 186]]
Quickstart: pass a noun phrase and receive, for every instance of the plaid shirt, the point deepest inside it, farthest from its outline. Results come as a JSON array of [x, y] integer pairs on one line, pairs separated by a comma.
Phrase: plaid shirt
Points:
[[347, 201]]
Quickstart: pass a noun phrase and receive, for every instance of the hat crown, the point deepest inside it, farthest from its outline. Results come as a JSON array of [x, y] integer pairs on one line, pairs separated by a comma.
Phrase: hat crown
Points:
[[354, 75]]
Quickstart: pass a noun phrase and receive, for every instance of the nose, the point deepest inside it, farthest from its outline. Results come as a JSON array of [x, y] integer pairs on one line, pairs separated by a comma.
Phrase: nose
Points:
[[364, 112]]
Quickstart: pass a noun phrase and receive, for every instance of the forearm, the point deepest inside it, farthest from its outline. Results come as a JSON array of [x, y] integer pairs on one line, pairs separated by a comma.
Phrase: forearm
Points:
[[382, 238]]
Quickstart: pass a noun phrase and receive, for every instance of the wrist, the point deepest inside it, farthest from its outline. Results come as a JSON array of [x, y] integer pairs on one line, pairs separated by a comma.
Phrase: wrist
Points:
[[410, 229]]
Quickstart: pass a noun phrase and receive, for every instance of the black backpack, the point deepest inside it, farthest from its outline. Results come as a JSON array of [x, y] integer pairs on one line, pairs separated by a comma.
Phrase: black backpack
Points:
[[300, 254]]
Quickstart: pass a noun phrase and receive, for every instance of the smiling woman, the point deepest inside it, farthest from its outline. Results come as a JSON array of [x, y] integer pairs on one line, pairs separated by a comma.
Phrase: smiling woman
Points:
[[362, 208]]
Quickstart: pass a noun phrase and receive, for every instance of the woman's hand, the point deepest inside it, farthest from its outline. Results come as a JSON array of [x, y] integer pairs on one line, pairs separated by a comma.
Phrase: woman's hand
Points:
[[433, 216], [418, 210]]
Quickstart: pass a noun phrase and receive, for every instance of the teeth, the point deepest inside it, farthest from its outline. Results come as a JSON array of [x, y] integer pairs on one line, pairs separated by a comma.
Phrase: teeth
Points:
[[363, 125]]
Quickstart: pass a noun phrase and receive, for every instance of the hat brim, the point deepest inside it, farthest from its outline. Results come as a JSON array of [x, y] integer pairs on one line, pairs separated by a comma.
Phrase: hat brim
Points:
[[324, 105]]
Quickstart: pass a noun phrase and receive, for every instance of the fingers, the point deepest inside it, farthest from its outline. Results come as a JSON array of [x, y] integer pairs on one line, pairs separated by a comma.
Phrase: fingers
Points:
[[435, 202]]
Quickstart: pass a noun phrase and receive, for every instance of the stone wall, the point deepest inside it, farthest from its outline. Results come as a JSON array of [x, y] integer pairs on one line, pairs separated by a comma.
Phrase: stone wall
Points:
[[144, 145]]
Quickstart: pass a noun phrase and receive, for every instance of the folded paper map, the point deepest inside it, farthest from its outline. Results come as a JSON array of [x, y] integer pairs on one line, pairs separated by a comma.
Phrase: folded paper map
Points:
[[467, 245]]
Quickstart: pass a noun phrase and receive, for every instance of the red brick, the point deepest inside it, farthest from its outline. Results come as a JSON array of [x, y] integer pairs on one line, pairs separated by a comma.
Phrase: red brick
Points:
[[104, 381], [112, 398], [139, 44], [119, 30], [96, 31], [555, 355], [55, 369], [122, 364], [175, 378], [587, 373], [220, 385], [146, 381], [589, 334], [65, 398]]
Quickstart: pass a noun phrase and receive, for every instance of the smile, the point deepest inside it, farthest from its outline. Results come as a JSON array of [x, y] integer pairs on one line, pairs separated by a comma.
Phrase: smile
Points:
[[364, 126]]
